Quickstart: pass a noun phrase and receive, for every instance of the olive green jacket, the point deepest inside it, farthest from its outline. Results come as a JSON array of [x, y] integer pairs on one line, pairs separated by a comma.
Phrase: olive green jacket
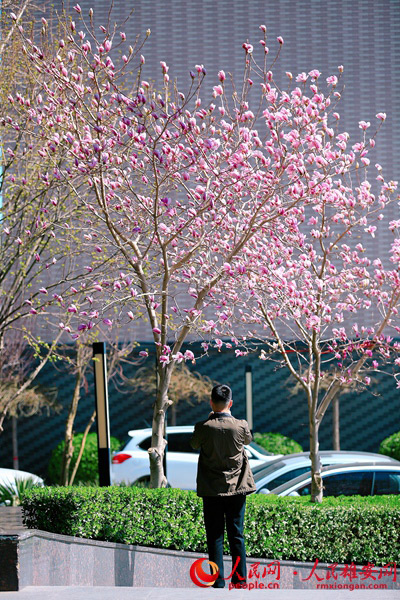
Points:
[[223, 468]]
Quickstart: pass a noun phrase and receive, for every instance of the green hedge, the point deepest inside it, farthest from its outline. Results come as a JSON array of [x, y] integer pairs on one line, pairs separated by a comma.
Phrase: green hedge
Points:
[[339, 530], [277, 443], [391, 446]]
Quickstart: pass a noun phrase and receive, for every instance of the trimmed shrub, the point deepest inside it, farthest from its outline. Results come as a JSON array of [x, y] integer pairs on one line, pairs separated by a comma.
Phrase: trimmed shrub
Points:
[[391, 446], [88, 468], [277, 443], [344, 530]]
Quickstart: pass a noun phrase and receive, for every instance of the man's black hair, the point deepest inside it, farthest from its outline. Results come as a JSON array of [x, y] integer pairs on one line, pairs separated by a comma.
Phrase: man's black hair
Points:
[[221, 395]]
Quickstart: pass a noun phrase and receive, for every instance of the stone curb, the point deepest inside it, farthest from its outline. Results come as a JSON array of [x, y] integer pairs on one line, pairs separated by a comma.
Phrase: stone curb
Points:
[[39, 558]]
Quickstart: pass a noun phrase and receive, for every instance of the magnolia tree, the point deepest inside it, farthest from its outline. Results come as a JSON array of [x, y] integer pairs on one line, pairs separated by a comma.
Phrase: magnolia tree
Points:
[[314, 282], [175, 187], [33, 203], [180, 185]]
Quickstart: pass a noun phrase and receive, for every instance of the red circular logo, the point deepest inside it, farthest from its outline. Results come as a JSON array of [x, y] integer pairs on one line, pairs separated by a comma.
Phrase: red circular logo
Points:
[[199, 577]]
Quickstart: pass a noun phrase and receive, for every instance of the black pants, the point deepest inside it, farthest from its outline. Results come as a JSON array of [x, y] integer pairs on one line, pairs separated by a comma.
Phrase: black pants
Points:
[[218, 510]]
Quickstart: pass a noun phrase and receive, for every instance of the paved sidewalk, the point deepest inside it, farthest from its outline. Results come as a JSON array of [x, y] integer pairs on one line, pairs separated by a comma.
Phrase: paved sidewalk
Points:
[[124, 593]]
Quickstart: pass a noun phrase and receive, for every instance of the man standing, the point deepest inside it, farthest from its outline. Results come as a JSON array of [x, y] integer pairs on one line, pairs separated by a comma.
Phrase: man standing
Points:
[[223, 480]]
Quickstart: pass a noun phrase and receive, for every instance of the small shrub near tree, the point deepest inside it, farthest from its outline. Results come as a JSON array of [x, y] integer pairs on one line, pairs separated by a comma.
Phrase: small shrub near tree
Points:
[[277, 443], [391, 446], [88, 468]]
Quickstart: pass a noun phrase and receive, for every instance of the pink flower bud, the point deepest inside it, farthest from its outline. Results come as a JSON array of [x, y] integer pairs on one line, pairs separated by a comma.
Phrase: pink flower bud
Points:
[[280, 40], [107, 322], [248, 48], [221, 75]]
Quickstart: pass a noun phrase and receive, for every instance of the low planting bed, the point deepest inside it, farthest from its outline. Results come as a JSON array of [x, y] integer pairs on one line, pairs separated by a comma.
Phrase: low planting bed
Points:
[[342, 530]]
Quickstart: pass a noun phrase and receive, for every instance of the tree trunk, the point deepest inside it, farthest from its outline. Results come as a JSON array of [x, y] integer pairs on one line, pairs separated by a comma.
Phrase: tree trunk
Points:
[[158, 443], [69, 436], [15, 442], [316, 480], [81, 365], [81, 449], [335, 424]]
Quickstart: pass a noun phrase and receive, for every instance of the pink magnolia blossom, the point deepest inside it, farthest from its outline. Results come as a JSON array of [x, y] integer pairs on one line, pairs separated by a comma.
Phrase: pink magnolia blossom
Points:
[[189, 355], [248, 48]]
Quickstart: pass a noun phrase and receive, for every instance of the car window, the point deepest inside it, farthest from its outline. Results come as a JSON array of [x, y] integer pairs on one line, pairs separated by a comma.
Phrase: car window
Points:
[[344, 484], [180, 442], [177, 442], [262, 471], [260, 449], [146, 443], [386, 482], [284, 477]]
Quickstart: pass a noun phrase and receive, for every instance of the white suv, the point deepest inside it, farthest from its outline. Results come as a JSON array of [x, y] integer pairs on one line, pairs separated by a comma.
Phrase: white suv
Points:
[[131, 465]]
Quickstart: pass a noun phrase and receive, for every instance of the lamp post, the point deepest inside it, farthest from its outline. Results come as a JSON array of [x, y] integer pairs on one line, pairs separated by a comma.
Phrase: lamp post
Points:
[[249, 396], [102, 420]]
